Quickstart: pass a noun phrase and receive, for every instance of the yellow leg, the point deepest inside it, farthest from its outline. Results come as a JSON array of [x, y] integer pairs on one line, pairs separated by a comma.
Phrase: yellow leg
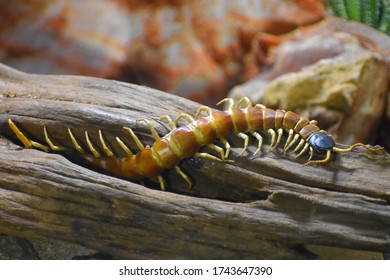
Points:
[[95, 153], [321, 161], [246, 141], [184, 176], [280, 134], [50, 143], [260, 106], [123, 146], [185, 116], [260, 139], [304, 150], [162, 183], [295, 139], [227, 146], [207, 156], [108, 152], [244, 100], [228, 100], [205, 109], [289, 139], [311, 153], [151, 128], [168, 119], [26, 142], [135, 138], [218, 150], [299, 146], [75, 144], [273, 139]]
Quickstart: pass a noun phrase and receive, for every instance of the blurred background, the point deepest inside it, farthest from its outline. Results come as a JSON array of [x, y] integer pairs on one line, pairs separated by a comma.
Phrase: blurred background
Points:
[[289, 54]]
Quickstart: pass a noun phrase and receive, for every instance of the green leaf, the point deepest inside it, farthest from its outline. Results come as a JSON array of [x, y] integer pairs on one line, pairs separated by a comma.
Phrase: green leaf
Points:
[[375, 13], [384, 24], [353, 9]]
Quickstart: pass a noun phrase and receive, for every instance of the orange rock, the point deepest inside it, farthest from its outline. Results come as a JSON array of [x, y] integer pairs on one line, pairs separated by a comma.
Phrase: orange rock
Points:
[[192, 48]]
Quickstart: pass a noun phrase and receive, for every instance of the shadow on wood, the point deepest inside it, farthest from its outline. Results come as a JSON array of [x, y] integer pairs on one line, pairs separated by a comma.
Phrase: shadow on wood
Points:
[[255, 208]]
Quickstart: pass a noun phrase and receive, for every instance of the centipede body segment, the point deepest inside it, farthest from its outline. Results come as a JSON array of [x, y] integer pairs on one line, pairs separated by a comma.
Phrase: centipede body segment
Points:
[[242, 119]]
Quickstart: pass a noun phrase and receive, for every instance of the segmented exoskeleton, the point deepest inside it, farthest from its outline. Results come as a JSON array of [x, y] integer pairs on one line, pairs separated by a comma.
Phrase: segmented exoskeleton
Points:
[[186, 141]]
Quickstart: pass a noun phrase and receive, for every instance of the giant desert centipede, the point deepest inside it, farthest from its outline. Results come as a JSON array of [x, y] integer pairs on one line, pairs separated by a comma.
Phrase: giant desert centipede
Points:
[[186, 141]]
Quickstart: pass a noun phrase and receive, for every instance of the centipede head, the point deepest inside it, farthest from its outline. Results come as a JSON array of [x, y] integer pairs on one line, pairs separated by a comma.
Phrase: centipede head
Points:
[[321, 142]]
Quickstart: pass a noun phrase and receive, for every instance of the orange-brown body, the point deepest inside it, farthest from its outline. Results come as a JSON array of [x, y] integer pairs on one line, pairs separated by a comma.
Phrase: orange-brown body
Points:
[[185, 141]]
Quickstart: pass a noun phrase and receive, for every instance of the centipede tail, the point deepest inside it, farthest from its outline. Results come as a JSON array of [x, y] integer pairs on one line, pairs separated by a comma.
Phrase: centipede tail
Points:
[[242, 119]]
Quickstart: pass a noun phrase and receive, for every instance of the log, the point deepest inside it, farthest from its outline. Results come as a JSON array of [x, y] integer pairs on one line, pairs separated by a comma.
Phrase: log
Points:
[[264, 207]]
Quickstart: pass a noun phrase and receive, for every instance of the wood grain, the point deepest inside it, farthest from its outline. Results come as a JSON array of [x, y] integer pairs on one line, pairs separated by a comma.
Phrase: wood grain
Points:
[[257, 207]]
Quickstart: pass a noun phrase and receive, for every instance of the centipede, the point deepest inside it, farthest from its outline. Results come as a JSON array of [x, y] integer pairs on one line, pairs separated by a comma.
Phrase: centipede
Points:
[[242, 119]]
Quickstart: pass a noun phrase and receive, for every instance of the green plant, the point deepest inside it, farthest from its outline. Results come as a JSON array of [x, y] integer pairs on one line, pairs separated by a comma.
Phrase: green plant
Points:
[[375, 13]]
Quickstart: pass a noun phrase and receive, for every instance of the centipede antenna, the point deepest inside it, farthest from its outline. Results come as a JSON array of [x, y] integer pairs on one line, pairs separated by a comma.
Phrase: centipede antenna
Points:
[[346, 150], [273, 139], [75, 144], [162, 183], [184, 176], [123, 146], [305, 148], [50, 143], [246, 142], [218, 150], [185, 116], [228, 100], [168, 119], [227, 146], [151, 128], [135, 138], [26, 142], [95, 153], [260, 139], [321, 161], [246, 100], [203, 109], [289, 139], [108, 152]]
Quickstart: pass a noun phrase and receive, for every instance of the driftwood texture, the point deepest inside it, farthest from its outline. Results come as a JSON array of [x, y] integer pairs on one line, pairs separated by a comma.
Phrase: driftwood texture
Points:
[[268, 206]]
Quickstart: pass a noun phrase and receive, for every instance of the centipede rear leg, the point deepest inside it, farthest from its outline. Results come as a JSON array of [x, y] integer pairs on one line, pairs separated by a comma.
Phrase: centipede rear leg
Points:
[[28, 143], [53, 147]]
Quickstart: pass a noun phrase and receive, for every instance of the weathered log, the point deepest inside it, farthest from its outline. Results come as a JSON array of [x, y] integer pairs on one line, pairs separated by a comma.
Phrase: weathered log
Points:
[[257, 207]]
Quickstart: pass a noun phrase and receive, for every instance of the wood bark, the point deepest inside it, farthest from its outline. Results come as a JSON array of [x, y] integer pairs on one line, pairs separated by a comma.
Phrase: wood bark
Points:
[[268, 206]]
